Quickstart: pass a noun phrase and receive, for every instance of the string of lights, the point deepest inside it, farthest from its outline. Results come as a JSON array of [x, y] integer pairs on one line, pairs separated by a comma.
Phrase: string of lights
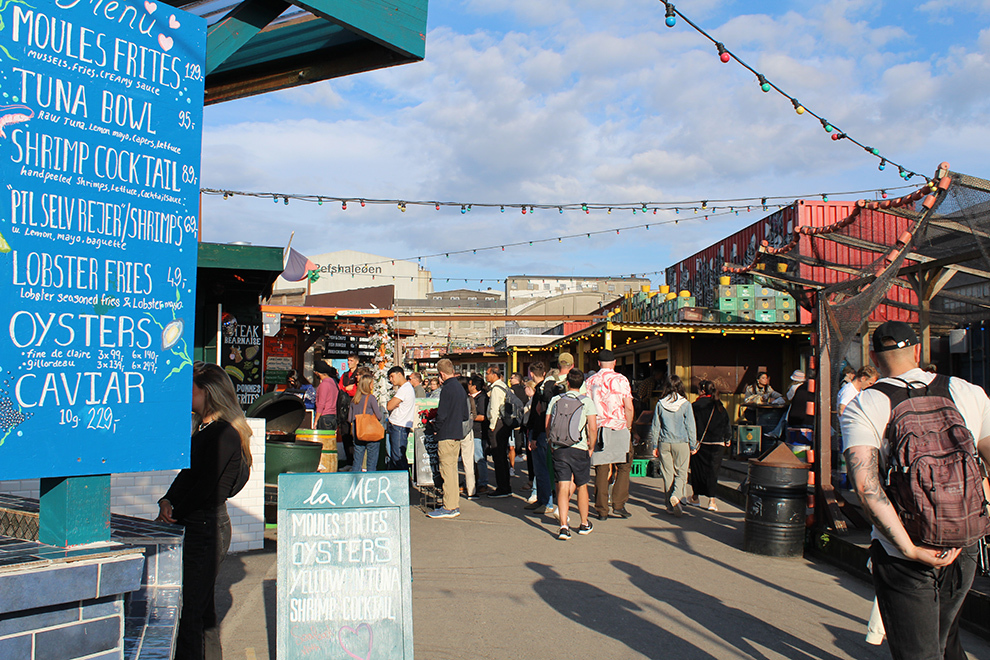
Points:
[[726, 55], [734, 205]]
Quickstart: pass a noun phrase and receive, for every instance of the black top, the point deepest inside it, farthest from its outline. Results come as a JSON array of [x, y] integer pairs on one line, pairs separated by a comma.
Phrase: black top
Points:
[[545, 392], [452, 411], [214, 463], [481, 408], [709, 408], [798, 417]]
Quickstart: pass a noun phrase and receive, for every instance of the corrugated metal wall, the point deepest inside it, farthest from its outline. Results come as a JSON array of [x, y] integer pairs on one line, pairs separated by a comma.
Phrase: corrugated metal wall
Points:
[[699, 273]]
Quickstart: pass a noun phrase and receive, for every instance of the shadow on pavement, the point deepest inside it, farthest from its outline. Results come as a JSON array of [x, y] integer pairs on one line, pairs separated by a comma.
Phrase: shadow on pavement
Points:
[[731, 628], [609, 615], [232, 571], [684, 547]]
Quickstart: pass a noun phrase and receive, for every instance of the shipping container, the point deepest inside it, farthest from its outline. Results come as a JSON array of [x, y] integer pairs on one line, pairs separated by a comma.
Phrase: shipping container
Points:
[[700, 272]]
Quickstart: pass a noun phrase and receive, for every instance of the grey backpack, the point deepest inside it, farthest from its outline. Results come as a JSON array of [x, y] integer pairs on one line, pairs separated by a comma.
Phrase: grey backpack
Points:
[[566, 421]]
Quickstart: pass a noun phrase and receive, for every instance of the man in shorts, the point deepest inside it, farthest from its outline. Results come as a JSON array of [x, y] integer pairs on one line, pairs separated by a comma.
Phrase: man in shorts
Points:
[[572, 464]]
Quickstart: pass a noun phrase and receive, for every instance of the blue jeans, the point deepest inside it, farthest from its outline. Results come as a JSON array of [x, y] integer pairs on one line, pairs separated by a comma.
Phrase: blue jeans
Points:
[[920, 606], [480, 465], [398, 438], [360, 450], [544, 495]]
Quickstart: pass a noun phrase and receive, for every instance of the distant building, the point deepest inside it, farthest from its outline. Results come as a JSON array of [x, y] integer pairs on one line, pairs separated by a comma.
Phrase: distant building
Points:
[[565, 295], [452, 333], [348, 269]]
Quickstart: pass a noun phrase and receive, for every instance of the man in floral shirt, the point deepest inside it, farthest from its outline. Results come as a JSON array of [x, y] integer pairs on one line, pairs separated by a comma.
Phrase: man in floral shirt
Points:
[[612, 396]]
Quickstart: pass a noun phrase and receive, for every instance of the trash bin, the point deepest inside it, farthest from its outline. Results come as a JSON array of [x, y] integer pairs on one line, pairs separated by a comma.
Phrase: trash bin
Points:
[[775, 505]]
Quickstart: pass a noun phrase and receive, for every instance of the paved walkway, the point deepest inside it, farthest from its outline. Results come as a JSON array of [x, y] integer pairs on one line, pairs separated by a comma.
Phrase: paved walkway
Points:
[[496, 583]]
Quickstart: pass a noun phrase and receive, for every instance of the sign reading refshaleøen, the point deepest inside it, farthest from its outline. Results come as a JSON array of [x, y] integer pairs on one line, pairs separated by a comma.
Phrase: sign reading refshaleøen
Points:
[[101, 107], [344, 571]]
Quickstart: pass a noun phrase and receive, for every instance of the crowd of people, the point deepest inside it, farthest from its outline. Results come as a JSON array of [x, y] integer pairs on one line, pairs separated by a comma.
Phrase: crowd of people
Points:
[[558, 426], [562, 423]]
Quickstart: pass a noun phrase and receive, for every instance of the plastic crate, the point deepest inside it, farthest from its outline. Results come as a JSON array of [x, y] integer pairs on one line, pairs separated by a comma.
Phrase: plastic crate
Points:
[[639, 467]]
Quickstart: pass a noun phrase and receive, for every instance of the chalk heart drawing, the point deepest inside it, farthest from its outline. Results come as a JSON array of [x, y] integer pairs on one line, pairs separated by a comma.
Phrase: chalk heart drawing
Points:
[[165, 42], [172, 23], [351, 640], [150, 6]]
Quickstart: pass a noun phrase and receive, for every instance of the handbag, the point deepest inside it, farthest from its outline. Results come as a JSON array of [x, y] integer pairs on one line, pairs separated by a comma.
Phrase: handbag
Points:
[[367, 428]]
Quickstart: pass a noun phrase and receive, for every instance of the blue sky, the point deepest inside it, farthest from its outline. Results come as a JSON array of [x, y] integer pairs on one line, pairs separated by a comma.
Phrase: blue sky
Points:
[[569, 101]]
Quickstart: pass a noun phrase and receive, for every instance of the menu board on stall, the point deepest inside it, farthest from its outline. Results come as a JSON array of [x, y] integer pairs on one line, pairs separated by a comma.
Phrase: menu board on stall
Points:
[[342, 346], [100, 133], [241, 352], [344, 570], [280, 355]]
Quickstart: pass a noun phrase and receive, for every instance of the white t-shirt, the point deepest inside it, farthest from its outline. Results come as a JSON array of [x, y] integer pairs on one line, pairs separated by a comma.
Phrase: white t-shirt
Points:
[[846, 394], [404, 413], [865, 420]]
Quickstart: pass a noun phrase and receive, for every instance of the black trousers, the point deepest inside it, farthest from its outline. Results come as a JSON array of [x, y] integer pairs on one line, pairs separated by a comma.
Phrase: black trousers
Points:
[[204, 548], [920, 606], [500, 457]]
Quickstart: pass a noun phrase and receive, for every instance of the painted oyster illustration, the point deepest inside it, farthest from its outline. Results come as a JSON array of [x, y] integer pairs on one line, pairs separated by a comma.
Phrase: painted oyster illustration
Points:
[[171, 334]]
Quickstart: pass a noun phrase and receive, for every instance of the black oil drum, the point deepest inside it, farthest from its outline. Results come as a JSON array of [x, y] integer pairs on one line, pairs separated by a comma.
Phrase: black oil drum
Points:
[[775, 509]]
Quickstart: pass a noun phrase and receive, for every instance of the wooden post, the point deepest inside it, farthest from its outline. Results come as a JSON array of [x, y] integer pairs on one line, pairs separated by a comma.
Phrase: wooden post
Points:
[[824, 491]]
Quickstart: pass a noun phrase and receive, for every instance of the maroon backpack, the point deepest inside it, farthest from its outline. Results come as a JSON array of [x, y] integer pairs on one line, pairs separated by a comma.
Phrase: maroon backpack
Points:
[[933, 477]]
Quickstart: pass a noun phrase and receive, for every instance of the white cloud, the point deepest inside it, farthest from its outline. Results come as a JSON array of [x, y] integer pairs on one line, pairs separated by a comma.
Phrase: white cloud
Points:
[[598, 104]]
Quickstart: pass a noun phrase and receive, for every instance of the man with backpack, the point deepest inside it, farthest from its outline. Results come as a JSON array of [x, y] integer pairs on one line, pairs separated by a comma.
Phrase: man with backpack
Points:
[[571, 420], [543, 393], [912, 444], [499, 431]]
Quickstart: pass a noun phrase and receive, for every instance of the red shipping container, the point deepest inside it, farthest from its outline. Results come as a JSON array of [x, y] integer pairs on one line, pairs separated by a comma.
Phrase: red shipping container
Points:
[[700, 272]]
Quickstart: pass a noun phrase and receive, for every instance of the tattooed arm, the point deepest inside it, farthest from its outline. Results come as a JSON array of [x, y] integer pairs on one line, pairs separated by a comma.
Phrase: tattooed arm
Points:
[[863, 465]]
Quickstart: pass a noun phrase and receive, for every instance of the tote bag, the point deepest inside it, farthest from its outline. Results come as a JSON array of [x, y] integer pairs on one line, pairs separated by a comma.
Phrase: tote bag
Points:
[[367, 427]]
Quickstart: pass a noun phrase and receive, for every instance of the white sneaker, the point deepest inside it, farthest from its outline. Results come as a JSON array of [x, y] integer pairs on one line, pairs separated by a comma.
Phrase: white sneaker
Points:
[[531, 499]]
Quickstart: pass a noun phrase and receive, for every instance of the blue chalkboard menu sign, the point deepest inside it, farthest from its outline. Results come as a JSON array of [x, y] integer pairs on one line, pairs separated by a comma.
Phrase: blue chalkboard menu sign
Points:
[[101, 109], [344, 572]]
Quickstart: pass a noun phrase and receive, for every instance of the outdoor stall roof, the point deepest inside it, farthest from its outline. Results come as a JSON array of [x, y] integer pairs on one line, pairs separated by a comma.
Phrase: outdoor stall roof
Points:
[[258, 46], [628, 332]]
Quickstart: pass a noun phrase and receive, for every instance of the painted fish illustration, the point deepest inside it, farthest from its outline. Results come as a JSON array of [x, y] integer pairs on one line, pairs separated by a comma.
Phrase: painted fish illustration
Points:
[[14, 114]]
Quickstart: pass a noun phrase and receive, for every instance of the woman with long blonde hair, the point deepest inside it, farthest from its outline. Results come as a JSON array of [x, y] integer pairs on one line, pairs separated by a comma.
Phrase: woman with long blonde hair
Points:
[[197, 499], [364, 402]]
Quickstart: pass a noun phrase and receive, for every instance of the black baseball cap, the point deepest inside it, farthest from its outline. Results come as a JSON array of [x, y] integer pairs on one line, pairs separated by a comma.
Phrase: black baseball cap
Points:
[[896, 331], [606, 355]]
